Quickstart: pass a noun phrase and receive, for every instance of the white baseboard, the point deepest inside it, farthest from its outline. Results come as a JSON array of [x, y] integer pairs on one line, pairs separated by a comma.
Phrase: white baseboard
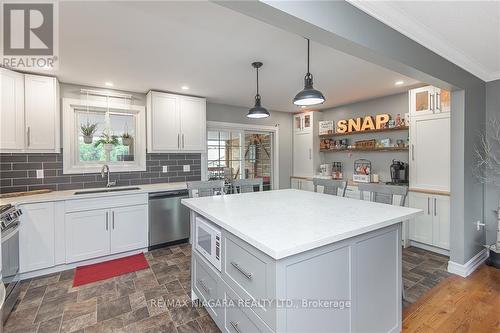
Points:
[[470, 266], [430, 248]]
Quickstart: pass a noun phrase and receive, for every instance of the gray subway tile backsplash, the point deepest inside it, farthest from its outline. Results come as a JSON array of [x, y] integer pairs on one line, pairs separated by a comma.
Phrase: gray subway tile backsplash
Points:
[[18, 172]]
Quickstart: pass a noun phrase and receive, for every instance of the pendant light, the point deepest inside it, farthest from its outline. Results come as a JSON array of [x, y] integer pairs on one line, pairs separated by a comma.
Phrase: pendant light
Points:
[[308, 96], [257, 111]]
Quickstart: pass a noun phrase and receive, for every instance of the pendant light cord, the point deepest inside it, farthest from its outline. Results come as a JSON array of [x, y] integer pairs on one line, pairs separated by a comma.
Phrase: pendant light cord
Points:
[[307, 55], [257, 80]]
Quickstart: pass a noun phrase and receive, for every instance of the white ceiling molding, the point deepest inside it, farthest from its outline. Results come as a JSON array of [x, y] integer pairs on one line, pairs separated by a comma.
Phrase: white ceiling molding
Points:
[[415, 30]]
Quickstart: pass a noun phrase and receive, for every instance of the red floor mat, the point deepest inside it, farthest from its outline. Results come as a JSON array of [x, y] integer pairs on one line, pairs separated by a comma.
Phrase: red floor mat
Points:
[[108, 269]]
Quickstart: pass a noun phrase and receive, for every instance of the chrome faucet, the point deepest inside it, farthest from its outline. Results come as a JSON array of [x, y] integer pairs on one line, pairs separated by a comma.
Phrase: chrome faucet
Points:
[[105, 170]]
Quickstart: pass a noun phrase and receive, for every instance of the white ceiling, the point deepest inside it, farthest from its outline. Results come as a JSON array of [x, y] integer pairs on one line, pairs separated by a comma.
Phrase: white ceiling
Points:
[[164, 45], [466, 33]]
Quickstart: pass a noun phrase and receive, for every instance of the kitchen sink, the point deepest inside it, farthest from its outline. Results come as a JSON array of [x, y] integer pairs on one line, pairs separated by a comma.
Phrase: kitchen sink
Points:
[[106, 190]]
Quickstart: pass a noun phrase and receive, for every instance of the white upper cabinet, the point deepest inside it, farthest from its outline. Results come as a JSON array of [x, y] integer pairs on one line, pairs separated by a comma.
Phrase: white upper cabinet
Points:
[[176, 123], [306, 157], [42, 113], [303, 123], [12, 110], [30, 115], [429, 100], [430, 152]]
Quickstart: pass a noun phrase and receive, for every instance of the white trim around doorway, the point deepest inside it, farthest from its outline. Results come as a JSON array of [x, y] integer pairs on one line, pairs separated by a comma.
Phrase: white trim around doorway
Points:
[[248, 127]]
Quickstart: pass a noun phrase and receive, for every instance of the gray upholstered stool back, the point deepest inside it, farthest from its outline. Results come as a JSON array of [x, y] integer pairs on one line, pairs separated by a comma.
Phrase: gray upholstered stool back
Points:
[[247, 185], [205, 188], [384, 193], [330, 186]]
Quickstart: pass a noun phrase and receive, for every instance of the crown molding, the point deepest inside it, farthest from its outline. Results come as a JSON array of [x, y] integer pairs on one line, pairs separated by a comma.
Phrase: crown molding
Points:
[[418, 32]]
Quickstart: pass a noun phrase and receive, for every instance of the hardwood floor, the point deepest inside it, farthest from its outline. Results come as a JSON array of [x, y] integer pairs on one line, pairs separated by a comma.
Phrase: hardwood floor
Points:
[[458, 304]]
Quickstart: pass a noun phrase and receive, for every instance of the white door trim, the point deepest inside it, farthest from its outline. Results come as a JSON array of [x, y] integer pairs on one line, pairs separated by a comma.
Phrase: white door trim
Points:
[[248, 127]]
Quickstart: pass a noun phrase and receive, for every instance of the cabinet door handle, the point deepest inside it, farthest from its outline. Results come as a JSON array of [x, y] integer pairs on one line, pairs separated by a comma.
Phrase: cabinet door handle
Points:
[[28, 134], [241, 270], [107, 220], [235, 325], [203, 286], [183, 140], [428, 206], [413, 152], [432, 102], [178, 140], [438, 101], [113, 220], [435, 207]]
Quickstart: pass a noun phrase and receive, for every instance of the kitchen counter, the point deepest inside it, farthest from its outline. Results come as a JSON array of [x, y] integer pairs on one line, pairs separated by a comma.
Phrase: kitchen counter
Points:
[[70, 194], [286, 222]]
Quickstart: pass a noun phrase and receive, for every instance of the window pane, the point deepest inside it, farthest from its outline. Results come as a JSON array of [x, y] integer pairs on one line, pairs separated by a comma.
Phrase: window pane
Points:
[[91, 123], [123, 126]]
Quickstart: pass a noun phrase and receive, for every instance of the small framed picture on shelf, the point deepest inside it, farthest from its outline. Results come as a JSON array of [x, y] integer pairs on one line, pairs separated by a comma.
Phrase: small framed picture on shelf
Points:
[[326, 127]]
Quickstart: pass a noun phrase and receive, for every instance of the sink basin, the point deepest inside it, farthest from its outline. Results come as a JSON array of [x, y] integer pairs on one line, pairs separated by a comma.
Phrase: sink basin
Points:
[[106, 190]]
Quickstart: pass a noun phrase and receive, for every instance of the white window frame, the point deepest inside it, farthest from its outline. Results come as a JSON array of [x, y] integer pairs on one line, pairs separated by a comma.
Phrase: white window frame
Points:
[[217, 125], [71, 132]]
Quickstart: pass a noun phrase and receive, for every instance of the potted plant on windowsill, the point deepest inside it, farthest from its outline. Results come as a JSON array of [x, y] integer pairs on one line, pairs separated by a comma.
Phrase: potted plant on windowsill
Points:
[[107, 141], [88, 131], [487, 170], [126, 139]]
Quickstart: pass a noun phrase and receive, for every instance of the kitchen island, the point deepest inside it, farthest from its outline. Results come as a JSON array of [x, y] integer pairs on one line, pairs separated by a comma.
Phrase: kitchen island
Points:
[[298, 261]]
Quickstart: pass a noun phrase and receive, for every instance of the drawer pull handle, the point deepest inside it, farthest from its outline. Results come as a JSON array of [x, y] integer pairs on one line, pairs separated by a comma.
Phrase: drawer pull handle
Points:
[[235, 325], [241, 270], [203, 286]]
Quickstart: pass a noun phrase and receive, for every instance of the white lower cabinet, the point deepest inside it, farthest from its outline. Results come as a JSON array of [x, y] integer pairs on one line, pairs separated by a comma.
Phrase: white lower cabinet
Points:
[[36, 236], [100, 232], [302, 184], [433, 226], [87, 235], [129, 228]]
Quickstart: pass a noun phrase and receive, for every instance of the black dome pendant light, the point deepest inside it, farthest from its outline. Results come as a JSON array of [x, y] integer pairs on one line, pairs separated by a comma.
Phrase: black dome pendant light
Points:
[[308, 96], [257, 111]]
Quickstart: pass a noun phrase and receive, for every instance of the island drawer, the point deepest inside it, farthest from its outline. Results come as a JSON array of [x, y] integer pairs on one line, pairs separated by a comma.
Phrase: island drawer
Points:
[[205, 284], [250, 273], [239, 318]]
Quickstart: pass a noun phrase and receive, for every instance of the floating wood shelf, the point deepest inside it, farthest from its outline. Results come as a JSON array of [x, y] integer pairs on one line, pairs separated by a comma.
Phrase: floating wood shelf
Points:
[[399, 128], [378, 149]]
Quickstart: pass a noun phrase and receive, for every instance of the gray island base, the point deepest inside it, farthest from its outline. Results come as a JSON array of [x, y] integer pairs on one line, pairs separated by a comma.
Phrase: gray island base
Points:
[[342, 275]]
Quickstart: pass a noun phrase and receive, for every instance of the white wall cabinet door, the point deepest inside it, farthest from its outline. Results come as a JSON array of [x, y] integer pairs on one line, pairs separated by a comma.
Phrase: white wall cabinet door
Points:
[[42, 113], [129, 228], [422, 101], [193, 123], [441, 221], [421, 227], [36, 237], [430, 152], [302, 156], [163, 122], [12, 110], [87, 235]]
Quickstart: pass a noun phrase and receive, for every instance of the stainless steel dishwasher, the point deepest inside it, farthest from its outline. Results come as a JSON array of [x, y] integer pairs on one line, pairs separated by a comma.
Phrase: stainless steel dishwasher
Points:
[[168, 219]]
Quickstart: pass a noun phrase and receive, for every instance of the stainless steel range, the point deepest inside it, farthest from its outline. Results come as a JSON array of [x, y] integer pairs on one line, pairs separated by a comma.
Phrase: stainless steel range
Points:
[[9, 226]]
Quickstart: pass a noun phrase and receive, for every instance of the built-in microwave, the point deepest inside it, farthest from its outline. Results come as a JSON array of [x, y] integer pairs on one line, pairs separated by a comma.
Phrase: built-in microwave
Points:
[[208, 241]]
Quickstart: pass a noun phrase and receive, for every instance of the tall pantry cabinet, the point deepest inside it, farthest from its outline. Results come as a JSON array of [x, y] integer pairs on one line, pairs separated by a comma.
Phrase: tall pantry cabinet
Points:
[[430, 148]]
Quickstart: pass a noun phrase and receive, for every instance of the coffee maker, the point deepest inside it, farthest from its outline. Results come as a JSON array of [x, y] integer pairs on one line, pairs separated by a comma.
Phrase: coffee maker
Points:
[[399, 172]]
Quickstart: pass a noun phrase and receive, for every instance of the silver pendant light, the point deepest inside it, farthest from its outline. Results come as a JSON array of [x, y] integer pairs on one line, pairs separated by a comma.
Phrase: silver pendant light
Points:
[[308, 96], [257, 111]]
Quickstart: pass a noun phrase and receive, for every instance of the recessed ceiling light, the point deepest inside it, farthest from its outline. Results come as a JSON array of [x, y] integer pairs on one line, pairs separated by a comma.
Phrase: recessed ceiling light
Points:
[[108, 84], [185, 88], [398, 83]]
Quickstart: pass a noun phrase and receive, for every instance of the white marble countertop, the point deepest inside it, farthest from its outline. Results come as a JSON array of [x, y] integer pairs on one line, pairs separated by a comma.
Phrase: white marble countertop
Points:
[[286, 222], [70, 194]]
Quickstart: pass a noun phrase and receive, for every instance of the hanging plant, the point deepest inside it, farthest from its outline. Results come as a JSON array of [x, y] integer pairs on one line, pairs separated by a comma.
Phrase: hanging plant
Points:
[[107, 141], [88, 131], [126, 139]]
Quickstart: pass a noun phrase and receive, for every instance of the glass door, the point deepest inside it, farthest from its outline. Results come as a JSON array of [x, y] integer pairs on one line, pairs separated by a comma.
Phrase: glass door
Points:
[[422, 101], [258, 157]]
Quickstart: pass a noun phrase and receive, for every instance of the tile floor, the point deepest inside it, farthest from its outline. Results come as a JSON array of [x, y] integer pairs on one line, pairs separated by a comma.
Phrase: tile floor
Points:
[[129, 303], [422, 270], [135, 302]]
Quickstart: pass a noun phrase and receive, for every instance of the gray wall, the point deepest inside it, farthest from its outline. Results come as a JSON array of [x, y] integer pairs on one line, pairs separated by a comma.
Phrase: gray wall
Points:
[[236, 114], [381, 161], [492, 193], [342, 26]]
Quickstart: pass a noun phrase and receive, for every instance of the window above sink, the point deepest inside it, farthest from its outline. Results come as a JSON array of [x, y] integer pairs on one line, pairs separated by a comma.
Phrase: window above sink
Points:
[[97, 132]]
